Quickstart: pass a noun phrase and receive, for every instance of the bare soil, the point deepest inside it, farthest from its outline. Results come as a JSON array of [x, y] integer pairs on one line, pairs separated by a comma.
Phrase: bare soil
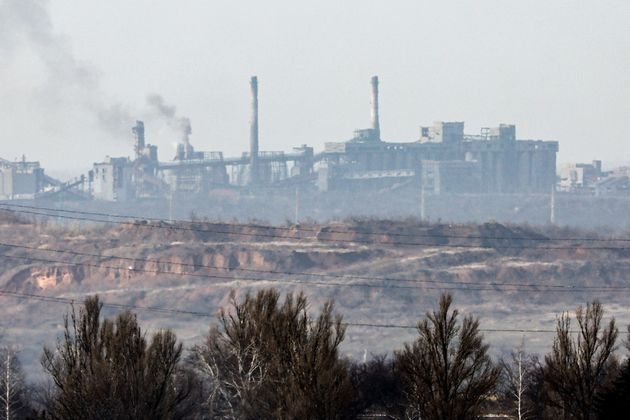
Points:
[[383, 275]]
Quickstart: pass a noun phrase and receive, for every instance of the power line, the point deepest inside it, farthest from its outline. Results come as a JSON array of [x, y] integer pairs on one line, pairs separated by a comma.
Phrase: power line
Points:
[[466, 286], [67, 301], [168, 225], [413, 327], [162, 224], [275, 272], [172, 311]]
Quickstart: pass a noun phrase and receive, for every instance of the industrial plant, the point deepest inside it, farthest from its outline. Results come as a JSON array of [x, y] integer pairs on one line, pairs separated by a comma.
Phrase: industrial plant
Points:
[[443, 159]]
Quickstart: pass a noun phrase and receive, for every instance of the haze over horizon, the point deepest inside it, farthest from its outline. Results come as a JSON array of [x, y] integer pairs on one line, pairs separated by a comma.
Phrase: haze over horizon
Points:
[[75, 75]]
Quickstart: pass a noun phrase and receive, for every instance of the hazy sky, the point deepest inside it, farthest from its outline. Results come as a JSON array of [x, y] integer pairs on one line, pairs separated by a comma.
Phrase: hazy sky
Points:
[[74, 75]]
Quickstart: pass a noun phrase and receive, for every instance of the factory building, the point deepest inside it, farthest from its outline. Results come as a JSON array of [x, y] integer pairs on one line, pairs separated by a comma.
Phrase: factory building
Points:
[[122, 179], [453, 176], [443, 159], [193, 172], [576, 177], [20, 179], [111, 180], [591, 179]]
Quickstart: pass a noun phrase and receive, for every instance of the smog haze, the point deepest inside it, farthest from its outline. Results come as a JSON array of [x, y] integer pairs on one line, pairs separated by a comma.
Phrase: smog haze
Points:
[[74, 76]]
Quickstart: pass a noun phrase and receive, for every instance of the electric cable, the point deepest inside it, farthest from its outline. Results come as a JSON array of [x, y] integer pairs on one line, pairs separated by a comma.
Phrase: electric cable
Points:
[[260, 271], [172, 311], [512, 287], [162, 224]]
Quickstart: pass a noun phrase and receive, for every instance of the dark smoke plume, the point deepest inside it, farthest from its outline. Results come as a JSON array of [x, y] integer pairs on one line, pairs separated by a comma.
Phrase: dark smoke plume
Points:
[[25, 25], [169, 113]]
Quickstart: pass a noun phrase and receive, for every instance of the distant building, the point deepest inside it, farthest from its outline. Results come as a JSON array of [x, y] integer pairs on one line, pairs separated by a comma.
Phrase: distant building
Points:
[[20, 179], [450, 176], [192, 172], [616, 183], [589, 178], [492, 162], [111, 180], [580, 177], [442, 160]]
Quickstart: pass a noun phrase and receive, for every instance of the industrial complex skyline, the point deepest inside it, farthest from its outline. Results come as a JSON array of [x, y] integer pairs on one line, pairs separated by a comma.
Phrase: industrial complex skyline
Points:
[[444, 159], [75, 77]]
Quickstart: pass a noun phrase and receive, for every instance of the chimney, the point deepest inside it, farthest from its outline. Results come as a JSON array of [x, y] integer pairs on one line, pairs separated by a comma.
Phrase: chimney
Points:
[[253, 133], [138, 133], [376, 126]]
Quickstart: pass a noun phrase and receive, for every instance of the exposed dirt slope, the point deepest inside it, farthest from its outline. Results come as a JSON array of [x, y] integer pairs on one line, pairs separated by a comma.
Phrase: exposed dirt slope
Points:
[[378, 272]]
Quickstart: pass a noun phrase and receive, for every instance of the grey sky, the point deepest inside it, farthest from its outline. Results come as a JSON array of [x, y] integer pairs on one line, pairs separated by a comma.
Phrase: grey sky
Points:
[[74, 75]]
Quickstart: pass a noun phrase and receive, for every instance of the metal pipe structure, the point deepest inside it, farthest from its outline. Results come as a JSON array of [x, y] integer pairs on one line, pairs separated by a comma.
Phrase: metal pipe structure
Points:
[[376, 126], [253, 133]]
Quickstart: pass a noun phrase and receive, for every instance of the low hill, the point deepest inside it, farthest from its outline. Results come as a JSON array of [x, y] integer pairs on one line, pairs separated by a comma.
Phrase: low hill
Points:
[[383, 275]]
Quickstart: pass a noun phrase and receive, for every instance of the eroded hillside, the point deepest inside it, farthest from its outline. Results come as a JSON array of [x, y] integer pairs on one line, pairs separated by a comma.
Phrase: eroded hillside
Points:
[[382, 275]]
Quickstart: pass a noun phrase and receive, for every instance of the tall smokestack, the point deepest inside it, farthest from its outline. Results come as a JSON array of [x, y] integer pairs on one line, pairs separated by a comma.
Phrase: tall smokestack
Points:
[[376, 126], [253, 132], [138, 132]]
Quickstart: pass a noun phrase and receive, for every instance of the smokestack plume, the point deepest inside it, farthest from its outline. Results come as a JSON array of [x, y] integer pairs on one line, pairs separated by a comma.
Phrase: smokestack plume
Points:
[[376, 126], [68, 89], [253, 132], [180, 124]]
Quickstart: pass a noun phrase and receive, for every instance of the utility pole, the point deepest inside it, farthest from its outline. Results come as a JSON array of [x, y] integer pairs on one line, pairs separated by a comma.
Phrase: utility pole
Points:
[[297, 204], [170, 205], [423, 210], [552, 215]]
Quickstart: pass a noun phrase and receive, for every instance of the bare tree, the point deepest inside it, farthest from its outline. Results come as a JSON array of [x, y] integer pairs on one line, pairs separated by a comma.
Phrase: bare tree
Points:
[[576, 369], [12, 385], [106, 369], [520, 381], [446, 372], [234, 371], [271, 360]]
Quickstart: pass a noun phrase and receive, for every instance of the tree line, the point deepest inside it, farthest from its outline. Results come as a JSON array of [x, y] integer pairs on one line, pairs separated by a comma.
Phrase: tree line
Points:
[[267, 357]]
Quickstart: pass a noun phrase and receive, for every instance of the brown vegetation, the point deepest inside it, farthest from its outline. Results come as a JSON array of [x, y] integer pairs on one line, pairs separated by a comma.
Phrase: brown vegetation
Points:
[[377, 271]]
